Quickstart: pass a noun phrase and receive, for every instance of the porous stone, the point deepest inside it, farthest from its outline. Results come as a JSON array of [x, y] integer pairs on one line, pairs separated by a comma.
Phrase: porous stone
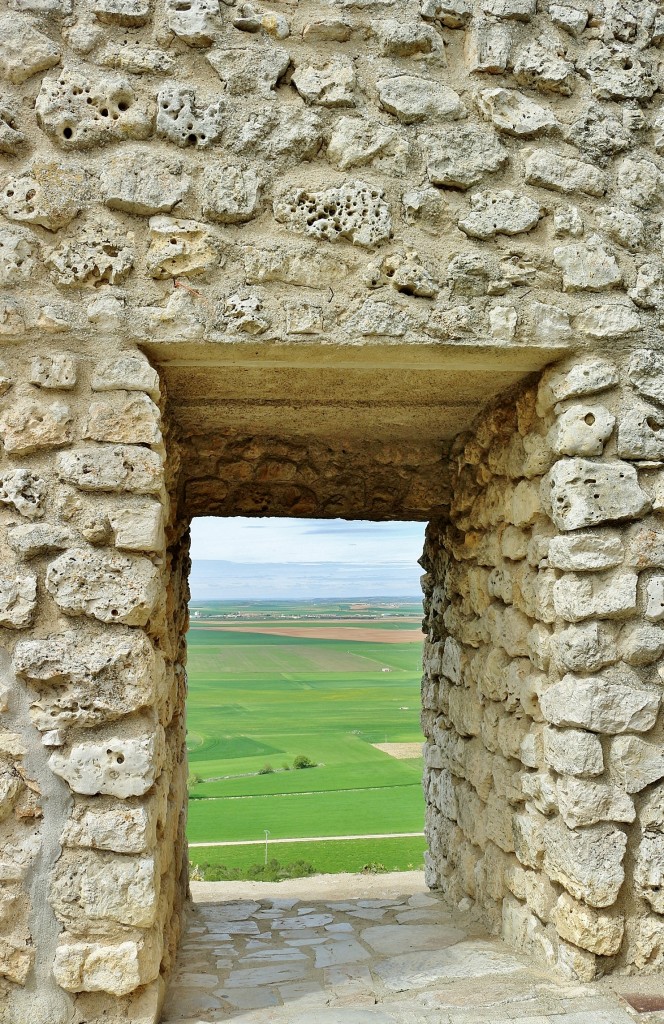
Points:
[[124, 417], [588, 376], [581, 429], [585, 647], [646, 372], [603, 703], [635, 762], [583, 552], [542, 68], [194, 21], [24, 491], [112, 767], [587, 266], [77, 112], [583, 493], [104, 966], [128, 13], [105, 585], [573, 752], [57, 373], [641, 433], [608, 321], [126, 372], [87, 683], [17, 256], [585, 802], [180, 248], [355, 142], [184, 120], [463, 156], [48, 194], [564, 174], [355, 211], [31, 539]]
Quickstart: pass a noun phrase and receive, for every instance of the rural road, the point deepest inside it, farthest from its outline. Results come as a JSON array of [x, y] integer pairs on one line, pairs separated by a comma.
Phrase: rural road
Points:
[[312, 839]]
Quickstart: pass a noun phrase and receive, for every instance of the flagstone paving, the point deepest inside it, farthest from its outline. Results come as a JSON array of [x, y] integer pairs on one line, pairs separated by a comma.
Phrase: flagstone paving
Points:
[[363, 950]]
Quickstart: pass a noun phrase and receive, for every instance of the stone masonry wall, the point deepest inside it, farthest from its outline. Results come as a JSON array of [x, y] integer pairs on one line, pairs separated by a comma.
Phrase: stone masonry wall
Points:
[[544, 604], [92, 618]]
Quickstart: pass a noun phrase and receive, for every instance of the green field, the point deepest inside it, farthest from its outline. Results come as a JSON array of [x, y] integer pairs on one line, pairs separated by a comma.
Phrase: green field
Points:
[[257, 700]]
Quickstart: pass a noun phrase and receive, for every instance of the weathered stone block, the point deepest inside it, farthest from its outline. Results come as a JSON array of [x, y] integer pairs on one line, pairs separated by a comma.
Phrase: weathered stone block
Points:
[[564, 174], [30, 425], [585, 647], [600, 933], [79, 112], [635, 762], [588, 863], [413, 99], [585, 802], [231, 194], [112, 767], [611, 596], [180, 248], [18, 599], [463, 156], [32, 539], [104, 585], [124, 418], [126, 372], [355, 211], [583, 493], [113, 468], [327, 84], [514, 113], [141, 184], [91, 888], [573, 752], [23, 50], [105, 824], [608, 703], [500, 213], [584, 552], [138, 527]]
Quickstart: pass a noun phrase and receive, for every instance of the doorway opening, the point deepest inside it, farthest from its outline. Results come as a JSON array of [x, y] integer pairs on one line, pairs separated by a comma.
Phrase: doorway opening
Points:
[[304, 666]]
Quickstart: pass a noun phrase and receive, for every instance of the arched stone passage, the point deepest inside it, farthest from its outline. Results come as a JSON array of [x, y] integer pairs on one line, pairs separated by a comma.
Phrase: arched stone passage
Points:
[[316, 262]]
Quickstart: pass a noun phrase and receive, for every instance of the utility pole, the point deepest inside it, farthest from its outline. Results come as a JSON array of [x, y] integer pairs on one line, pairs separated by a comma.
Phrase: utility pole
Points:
[[267, 832]]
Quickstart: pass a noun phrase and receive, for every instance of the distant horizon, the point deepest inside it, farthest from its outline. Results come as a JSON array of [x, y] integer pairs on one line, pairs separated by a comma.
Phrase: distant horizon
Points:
[[304, 559]]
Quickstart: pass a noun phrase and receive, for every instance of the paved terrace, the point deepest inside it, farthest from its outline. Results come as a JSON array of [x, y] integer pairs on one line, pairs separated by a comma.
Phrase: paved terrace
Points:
[[349, 949]]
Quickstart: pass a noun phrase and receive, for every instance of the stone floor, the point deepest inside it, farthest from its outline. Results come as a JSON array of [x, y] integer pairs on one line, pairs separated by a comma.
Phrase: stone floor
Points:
[[351, 949]]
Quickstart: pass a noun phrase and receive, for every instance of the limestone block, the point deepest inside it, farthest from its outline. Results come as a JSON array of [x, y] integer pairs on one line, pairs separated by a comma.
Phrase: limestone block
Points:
[[90, 887], [649, 286], [586, 376], [101, 966], [193, 21], [11, 137], [608, 703], [587, 266], [56, 372], [353, 211], [23, 50], [514, 113], [137, 60], [138, 527], [77, 112], [529, 838], [611, 596], [500, 213], [488, 46], [573, 752], [355, 142], [128, 13], [585, 647], [327, 30], [125, 418], [113, 468], [399, 39], [186, 122], [139, 183], [18, 599], [10, 787], [646, 373], [616, 76], [31, 425], [624, 228], [104, 585], [645, 546], [180, 248], [32, 539], [641, 644], [584, 552], [581, 429], [257, 68], [635, 762], [587, 862], [564, 174], [640, 181], [541, 68], [549, 324], [463, 156], [649, 870], [231, 193], [17, 255], [539, 789], [99, 253], [654, 595], [112, 767], [413, 99], [641, 433], [584, 493], [608, 321], [327, 84], [585, 802], [102, 823], [87, 683], [568, 221], [129, 371], [48, 194], [600, 933], [24, 491], [569, 18]]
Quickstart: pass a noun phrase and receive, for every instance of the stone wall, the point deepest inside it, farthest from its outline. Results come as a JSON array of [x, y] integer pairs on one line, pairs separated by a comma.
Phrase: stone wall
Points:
[[544, 603], [340, 176]]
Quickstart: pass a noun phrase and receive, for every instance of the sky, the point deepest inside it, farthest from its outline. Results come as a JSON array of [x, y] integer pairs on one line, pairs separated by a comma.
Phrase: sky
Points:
[[303, 558]]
